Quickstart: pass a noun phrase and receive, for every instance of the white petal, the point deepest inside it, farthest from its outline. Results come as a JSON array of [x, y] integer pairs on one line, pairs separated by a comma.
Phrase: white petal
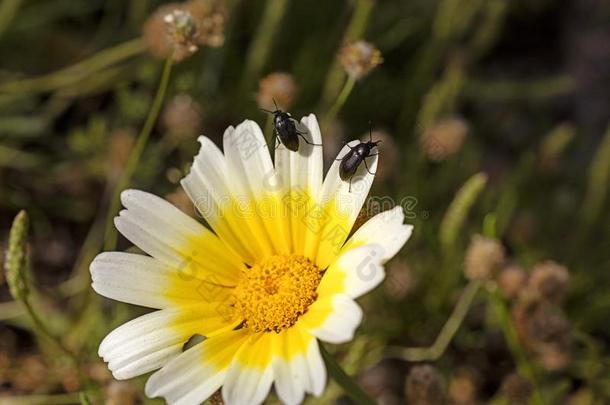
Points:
[[345, 203], [290, 371], [142, 280], [317, 370], [255, 181], [342, 317], [310, 159], [385, 229], [354, 273], [145, 343], [289, 379], [169, 235], [301, 175], [246, 385], [209, 188], [249, 160], [196, 374], [338, 190]]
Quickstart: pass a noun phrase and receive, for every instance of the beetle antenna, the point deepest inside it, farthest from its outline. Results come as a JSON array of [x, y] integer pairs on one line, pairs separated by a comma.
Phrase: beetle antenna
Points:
[[274, 103], [267, 111], [370, 131]]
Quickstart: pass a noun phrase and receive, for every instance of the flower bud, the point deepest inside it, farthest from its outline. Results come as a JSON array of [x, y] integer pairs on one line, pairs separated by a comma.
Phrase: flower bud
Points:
[[359, 58]]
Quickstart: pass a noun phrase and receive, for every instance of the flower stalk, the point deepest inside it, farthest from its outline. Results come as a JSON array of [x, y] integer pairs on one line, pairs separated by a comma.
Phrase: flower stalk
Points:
[[341, 99], [136, 153], [434, 352]]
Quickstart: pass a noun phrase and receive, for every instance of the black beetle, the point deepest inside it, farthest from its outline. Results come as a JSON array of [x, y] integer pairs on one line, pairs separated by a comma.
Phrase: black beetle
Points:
[[286, 130], [356, 155]]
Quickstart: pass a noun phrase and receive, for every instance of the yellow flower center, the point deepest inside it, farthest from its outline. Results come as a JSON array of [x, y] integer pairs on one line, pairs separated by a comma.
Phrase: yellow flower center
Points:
[[273, 294]]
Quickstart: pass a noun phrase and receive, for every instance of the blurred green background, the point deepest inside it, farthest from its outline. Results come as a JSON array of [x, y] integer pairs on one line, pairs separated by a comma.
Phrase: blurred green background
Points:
[[493, 115]]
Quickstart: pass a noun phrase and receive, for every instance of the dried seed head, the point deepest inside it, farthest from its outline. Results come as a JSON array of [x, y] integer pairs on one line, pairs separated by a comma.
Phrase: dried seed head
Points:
[[484, 258], [389, 156], [182, 117], [543, 329], [210, 16], [512, 280], [516, 388], [445, 138], [550, 280], [276, 86], [179, 28], [424, 386], [359, 58], [182, 29]]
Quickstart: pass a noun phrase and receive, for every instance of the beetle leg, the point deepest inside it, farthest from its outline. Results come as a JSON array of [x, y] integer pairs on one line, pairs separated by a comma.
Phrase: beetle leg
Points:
[[278, 144], [307, 140], [374, 154], [350, 184], [367, 167]]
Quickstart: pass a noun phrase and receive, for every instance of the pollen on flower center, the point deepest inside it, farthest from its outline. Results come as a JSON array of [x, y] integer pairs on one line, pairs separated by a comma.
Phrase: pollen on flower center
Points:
[[273, 293]]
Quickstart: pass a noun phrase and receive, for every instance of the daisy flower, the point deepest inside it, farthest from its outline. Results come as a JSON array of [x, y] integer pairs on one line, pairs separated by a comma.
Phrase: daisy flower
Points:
[[274, 273]]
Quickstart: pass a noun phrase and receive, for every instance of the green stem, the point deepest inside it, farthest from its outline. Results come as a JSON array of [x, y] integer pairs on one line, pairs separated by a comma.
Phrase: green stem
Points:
[[447, 333], [512, 339], [77, 72], [261, 45], [351, 388], [43, 330], [136, 153], [341, 99]]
